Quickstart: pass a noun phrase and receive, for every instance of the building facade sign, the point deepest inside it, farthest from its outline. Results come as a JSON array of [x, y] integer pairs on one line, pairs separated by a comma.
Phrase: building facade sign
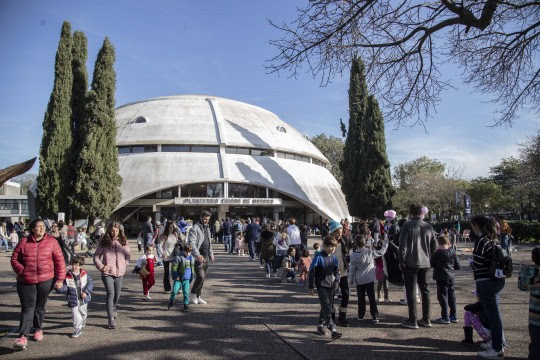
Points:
[[228, 201]]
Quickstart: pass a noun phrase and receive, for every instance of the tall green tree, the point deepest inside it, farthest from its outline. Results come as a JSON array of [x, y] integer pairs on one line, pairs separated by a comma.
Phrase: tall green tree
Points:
[[366, 171], [405, 174], [97, 188], [332, 148], [53, 177], [78, 101]]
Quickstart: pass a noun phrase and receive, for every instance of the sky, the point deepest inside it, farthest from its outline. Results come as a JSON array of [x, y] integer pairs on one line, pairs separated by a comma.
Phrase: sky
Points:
[[219, 48]]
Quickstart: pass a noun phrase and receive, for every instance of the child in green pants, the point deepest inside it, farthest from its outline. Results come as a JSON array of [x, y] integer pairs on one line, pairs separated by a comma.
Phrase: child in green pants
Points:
[[183, 268]]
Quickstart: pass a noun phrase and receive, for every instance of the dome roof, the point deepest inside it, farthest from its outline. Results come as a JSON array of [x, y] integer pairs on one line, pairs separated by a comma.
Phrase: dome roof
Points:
[[208, 120]]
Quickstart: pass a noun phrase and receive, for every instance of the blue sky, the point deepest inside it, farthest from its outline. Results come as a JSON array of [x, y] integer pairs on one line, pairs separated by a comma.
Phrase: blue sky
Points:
[[217, 48]]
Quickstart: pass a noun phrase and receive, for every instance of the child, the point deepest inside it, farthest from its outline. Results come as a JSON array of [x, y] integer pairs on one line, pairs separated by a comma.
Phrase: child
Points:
[[78, 285], [362, 273], [474, 318], [81, 237], [382, 280], [529, 279], [444, 261], [146, 265], [303, 266], [317, 248], [183, 268], [287, 266], [324, 272], [240, 245], [13, 238]]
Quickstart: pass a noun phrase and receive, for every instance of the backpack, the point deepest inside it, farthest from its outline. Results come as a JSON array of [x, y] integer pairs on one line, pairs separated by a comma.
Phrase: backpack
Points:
[[500, 266]]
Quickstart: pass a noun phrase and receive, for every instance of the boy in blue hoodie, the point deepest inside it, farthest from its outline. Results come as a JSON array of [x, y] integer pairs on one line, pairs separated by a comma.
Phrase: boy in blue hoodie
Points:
[[78, 285], [324, 272]]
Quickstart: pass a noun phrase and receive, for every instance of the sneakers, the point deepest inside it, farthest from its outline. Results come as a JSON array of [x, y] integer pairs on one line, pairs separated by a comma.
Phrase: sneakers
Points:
[[486, 345], [76, 333], [491, 354], [21, 343], [442, 320], [147, 297], [193, 299], [360, 318], [403, 301], [453, 319], [409, 324], [201, 301], [38, 335], [425, 323], [387, 300], [115, 314], [112, 324], [169, 306], [267, 275], [321, 330], [186, 308], [375, 320], [336, 335]]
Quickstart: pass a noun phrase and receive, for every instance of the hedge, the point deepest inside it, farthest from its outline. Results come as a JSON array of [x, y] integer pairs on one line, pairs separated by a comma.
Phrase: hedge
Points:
[[524, 232]]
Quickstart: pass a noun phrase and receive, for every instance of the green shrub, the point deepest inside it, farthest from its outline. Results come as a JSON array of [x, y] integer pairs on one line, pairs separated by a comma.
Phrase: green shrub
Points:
[[524, 232]]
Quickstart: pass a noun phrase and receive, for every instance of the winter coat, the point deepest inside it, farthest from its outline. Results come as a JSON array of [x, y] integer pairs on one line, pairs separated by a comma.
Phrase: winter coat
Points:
[[417, 242], [444, 262], [362, 267], [116, 256], [70, 287], [253, 232], [267, 245], [196, 237], [35, 262], [324, 271]]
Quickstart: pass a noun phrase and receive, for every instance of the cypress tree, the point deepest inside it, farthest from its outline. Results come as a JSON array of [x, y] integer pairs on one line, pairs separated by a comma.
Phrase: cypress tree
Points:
[[97, 188], [53, 177], [78, 101], [366, 172]]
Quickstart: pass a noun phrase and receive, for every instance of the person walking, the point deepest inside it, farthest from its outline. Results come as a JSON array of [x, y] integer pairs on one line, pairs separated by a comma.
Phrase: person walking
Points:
[[37, 261], [343, 249], [111, 258], [147, 231], [201, 245], [253, 234], [168, 241], [417, 242]]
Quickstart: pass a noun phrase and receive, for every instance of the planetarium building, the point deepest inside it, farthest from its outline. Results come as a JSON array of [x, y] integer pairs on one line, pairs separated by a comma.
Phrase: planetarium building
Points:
[[180, 154]]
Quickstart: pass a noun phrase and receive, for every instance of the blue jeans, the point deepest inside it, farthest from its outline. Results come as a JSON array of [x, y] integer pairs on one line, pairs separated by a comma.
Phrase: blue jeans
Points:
[[227, 242], [4, 242], [251, 248], [489, 293], [446, 297]]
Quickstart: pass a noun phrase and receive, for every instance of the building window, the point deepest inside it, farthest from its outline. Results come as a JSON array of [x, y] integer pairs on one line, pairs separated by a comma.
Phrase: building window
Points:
[[289, 156], [175, 148], [281, 129], [281, 154], [214, 190], [261, 152], [123, 150], [230, 150], [170, 193], [198, 190], [141, 120], [241, 191], [204, 149], [242, 151]]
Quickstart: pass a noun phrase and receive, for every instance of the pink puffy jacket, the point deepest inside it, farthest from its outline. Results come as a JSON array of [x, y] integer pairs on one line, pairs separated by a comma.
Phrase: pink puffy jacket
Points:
[[117, 257], [35, 262]]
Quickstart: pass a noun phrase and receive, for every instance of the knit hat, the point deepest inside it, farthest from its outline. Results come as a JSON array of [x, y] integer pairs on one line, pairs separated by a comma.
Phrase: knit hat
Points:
[[334, 225]]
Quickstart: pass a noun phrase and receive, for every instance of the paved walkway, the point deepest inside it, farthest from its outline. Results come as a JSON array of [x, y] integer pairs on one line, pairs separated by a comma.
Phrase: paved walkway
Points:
[[247, 316]]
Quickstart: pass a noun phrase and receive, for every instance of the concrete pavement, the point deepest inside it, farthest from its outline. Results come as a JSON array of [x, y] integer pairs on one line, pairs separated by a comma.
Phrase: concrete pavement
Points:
[[248, 316]]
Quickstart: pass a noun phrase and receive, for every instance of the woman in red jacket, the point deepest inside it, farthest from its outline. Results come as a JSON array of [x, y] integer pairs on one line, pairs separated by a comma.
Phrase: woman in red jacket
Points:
[[38, 262]]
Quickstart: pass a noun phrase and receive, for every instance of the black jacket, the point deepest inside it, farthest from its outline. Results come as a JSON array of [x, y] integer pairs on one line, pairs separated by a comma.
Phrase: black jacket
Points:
[[444, 262]]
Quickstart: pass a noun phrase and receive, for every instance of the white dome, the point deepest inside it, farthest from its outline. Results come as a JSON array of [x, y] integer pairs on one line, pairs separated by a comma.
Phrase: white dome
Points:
[[291, 163]]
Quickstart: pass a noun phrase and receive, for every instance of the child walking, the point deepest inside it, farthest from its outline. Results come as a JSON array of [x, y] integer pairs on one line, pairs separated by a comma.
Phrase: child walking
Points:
[[362, 272], [303, 267], [13, 238], [146, 264], [78, 285], [324, 274], [444, 261], [529, 279], [183, 268]]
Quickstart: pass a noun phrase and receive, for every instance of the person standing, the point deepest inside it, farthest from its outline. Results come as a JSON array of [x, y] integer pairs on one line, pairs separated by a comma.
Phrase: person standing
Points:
[[325, 229], [147, 231], [226, 233], [37, 260], [375, 228], [201, 245], [253, 234], [417, 242], [168, 241], [4, 237], [293, 232], [111, 258], [343, 248]]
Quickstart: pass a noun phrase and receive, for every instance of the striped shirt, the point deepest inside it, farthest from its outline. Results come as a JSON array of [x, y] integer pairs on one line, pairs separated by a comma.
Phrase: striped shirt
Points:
[[528, 280], [483, 249]]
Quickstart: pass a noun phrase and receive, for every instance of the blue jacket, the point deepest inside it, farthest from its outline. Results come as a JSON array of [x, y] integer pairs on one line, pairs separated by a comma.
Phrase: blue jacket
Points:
[[70, 287], [253, 232], [324, 271]]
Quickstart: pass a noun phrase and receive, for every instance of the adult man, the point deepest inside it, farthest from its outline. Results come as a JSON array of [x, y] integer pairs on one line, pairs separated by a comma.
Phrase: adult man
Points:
[[201, 248], [417, 242], [375, 228], [293, 232], [253, 234], [147, 231], [226, 232], [325, 229], [343, 248]]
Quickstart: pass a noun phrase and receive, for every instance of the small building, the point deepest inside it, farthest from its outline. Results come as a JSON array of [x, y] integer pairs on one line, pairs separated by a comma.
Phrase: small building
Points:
[[180, 154], [13, 205]]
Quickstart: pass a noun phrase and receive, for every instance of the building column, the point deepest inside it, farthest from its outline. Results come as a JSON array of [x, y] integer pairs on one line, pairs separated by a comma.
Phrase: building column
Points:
[[222, 212]]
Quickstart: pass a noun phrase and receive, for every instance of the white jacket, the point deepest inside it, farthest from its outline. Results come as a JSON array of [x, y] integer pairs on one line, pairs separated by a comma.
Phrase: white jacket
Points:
[[362, 266]]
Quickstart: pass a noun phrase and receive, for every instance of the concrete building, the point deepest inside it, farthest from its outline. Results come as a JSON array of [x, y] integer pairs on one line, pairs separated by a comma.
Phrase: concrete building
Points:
[[179, 154], [13, 205]]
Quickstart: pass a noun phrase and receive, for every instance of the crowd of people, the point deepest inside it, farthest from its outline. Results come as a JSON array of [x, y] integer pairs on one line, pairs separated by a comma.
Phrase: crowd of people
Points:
[[400, 252]]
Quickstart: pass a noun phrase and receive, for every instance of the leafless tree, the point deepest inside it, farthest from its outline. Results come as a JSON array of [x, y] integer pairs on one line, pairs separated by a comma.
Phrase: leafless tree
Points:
[[405, 43]]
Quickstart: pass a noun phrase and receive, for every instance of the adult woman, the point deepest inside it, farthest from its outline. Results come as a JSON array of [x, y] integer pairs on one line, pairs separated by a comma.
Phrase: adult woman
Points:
[[37, 260], [62, 242], [4, 236], [168, 241], [267, 248], [111, 258], [488, 289]]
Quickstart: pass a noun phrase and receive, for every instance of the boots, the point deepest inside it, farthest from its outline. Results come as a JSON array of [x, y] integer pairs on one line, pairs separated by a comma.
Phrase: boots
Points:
[[341, 320], [468, 330]]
